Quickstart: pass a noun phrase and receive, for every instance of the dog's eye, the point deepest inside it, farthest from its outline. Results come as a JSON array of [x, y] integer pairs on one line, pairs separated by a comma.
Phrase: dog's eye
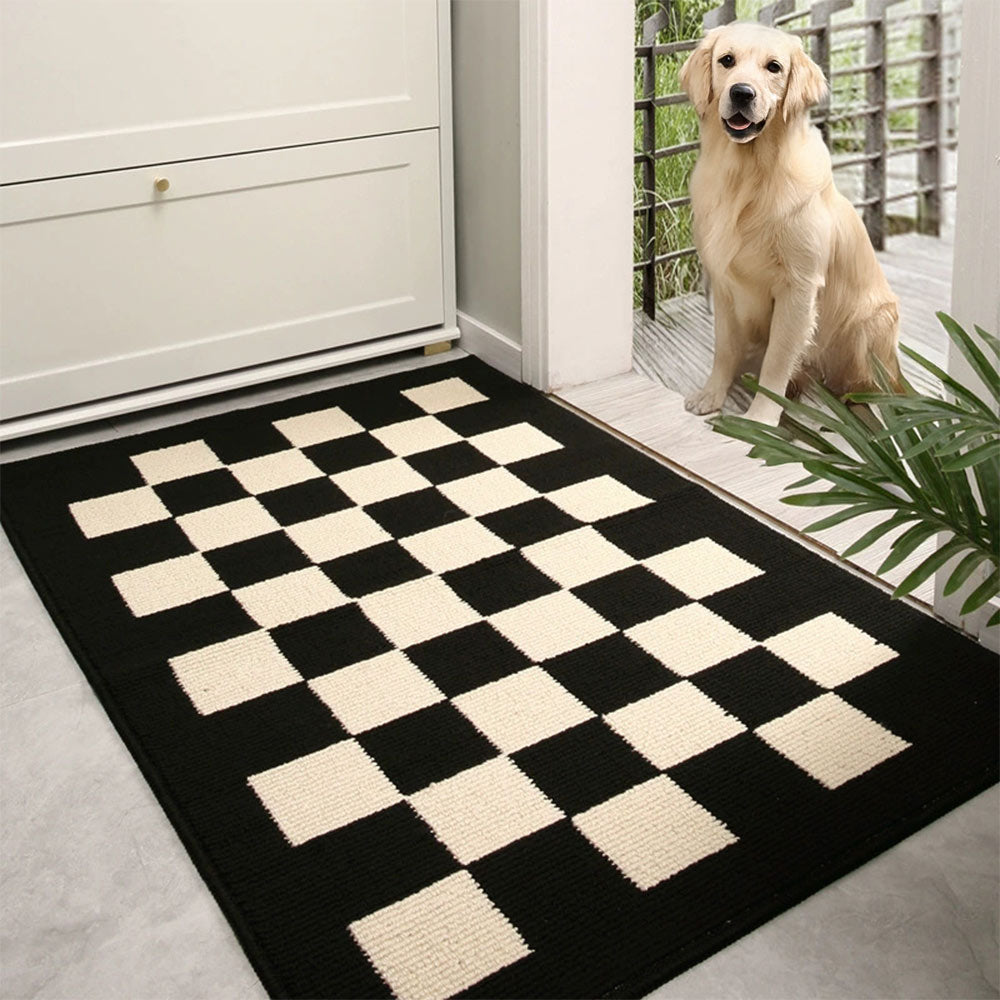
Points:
[[727, 60], [773, 67]]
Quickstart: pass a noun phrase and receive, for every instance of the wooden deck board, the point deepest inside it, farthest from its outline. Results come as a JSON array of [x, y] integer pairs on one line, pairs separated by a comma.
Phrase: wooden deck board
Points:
[[676, 347]]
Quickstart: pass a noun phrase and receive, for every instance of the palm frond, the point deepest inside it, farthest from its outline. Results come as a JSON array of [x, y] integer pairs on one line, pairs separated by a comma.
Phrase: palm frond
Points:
[[930, 463], [993, 343], [979, 362]]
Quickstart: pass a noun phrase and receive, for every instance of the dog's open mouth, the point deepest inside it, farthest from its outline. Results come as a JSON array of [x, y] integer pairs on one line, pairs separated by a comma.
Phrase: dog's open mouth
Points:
[[742, 129]]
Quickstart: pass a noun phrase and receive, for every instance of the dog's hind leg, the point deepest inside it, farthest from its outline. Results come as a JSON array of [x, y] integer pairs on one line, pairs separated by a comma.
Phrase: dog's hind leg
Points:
[[729, 356], [848, 363]]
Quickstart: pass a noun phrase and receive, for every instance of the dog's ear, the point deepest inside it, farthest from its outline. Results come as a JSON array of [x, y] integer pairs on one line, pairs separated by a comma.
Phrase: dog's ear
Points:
[[696, 74], [806, 84]]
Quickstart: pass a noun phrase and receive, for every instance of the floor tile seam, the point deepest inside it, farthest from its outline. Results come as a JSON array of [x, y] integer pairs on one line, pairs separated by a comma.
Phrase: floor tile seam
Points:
[[6, 706]]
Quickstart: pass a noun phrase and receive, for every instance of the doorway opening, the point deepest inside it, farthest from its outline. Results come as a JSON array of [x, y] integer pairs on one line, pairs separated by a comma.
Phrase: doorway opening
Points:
[[891, 126]]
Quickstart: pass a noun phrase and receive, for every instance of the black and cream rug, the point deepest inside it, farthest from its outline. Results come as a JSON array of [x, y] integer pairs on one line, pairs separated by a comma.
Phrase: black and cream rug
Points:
[[448, 692]]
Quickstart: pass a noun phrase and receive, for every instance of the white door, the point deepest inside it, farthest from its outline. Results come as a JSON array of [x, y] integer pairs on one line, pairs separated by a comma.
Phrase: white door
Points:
[[88, 85], [110, 286]]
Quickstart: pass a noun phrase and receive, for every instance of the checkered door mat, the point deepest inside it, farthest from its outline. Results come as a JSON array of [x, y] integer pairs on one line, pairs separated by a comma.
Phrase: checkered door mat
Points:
[[449, 692]]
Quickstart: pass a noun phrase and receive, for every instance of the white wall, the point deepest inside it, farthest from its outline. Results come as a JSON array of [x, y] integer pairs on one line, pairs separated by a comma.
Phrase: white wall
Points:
[[975, 293], [577, 86], [485, 59]]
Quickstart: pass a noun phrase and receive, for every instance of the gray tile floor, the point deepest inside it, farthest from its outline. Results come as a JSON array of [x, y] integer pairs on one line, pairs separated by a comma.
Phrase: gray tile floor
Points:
[[99, 900]]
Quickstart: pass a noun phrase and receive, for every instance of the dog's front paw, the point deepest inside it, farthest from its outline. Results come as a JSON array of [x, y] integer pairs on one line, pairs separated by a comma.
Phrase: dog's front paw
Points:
[[705, 400], [764, 411]]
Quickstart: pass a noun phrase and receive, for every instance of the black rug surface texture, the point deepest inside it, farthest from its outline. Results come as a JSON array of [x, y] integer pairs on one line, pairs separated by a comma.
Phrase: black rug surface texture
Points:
[[448, 692]]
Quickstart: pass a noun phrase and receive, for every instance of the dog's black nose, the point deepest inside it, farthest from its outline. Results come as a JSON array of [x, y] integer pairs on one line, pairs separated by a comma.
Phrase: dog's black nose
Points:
[[742, 93]]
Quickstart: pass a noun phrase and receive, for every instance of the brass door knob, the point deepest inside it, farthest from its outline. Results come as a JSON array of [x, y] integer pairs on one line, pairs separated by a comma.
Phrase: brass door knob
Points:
[[161, 184]]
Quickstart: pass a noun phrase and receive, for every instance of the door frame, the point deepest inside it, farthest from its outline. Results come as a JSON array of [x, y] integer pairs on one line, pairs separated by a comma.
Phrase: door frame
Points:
[[576, 94], [975, 287]]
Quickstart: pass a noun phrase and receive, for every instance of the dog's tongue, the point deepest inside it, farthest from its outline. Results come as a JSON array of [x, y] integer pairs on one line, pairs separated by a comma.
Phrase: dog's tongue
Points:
[[738, 122]]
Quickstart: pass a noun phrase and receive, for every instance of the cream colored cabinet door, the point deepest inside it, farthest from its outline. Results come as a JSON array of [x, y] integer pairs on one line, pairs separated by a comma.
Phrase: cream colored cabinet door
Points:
[[90, 85], [108, 285]]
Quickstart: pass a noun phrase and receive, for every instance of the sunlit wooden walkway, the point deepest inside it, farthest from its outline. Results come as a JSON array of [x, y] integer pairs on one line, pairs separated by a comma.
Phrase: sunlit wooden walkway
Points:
[[676, 347]]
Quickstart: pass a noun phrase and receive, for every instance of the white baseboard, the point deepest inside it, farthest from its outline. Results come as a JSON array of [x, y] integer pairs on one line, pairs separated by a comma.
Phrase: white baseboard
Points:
[[490, 345], [196, 388]]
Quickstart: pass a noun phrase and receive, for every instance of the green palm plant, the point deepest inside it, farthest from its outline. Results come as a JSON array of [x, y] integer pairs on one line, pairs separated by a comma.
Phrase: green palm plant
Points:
[[930, 463]]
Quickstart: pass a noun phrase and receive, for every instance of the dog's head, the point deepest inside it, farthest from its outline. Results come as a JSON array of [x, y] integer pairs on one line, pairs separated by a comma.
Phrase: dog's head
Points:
[[745, 73]]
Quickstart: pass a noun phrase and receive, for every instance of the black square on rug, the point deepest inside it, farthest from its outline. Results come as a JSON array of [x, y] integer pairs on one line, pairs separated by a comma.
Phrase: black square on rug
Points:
[[448, 692]]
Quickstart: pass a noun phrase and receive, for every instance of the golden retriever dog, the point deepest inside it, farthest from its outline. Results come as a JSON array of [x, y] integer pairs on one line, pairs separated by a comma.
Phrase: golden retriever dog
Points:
[[794, 279]]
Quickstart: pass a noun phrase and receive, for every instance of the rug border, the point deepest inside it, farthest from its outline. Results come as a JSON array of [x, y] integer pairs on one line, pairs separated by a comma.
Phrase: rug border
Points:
[[645, 980]]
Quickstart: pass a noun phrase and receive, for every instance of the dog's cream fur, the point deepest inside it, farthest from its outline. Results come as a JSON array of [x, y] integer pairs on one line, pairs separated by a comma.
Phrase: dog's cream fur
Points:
[[792, 270]]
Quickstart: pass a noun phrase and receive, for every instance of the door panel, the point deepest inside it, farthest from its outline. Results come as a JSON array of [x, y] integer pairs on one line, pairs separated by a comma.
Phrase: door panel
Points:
[[108, 286]]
